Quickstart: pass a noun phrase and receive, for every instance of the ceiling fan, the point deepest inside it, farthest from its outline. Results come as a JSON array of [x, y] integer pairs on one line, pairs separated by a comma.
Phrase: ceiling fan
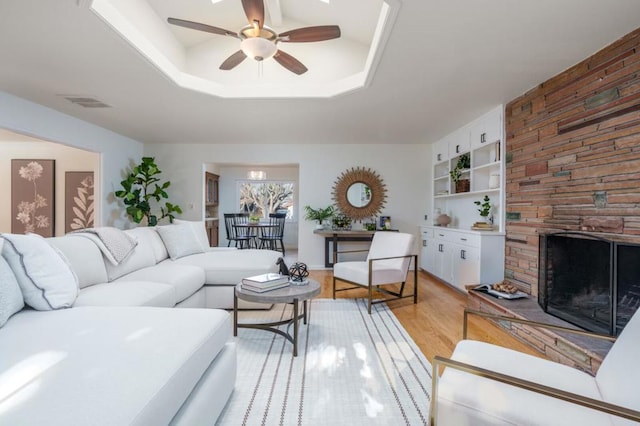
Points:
[[259, 42]]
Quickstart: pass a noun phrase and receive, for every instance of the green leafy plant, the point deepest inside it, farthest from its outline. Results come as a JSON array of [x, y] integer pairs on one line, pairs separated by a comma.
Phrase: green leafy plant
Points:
[[485, 206], [464, 163], [341, 221], [140, 187], [319, 214]]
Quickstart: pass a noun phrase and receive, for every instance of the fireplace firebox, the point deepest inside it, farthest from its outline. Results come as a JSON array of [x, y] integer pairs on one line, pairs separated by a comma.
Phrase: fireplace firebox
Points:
[[589, 281]]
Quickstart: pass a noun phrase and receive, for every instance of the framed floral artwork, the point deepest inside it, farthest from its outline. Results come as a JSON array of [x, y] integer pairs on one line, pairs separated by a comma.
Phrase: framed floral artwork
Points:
[[32, 197], [78, 201]]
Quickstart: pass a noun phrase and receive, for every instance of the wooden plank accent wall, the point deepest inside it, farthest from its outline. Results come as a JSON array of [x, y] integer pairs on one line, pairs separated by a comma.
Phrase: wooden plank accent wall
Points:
[[573, 157]]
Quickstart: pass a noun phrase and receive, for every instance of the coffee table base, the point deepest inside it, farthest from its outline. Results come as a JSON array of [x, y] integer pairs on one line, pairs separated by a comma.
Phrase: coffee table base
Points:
[[271, 326]]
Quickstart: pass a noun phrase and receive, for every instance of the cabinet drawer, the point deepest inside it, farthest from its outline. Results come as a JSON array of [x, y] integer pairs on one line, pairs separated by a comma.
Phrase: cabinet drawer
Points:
[[471, 240], [427, 233]]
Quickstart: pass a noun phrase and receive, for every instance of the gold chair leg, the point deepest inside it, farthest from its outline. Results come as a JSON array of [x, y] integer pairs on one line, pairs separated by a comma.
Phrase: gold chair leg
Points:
[[334, 287], [370, 298]]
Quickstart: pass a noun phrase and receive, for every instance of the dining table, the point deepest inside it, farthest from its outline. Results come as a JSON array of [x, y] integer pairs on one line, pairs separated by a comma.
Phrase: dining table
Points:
[[245, 229]]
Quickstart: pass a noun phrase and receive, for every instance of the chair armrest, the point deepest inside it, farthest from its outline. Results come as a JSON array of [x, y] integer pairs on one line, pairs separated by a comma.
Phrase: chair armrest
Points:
[[393, 257], [468, 312], [552, 392]]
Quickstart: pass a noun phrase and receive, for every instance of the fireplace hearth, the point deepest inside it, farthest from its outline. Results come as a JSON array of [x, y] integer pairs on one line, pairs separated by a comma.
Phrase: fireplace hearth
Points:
[[589, 281]]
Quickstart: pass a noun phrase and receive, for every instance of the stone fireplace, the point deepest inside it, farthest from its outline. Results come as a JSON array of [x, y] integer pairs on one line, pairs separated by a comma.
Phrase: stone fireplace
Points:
[[572, 164], [589, 281]]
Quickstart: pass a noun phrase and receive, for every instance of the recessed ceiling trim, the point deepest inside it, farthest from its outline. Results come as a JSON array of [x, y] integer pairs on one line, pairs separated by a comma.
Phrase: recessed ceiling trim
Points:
[[173, 67]]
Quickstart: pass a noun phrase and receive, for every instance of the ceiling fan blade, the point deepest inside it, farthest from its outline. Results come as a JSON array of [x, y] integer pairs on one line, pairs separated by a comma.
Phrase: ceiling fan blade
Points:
[[308, 34], [201, 27], [233, 60], [289, 62], [254, 9]]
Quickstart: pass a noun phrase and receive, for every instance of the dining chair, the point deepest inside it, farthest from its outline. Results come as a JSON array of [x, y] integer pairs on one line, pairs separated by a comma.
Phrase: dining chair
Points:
[[387, 262], [245, 231], [273, 233], [240, 239]]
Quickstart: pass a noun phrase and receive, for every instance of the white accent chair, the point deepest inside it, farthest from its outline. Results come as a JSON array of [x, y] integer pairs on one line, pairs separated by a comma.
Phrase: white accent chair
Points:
[[484, 384], [388, 262]]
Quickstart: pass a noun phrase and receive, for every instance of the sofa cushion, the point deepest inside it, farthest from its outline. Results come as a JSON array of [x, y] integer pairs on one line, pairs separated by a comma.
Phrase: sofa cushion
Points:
[[466, 399], [230, 266], [148, 239], [199, 228], [84, 256], [141, 257], [180, 240], [11, 300], [45, 278], [106, 366], [185, 279], [128, 293]]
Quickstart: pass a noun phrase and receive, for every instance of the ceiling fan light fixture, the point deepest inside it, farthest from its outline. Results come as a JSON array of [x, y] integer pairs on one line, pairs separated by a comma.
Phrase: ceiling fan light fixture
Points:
[[258, 48]]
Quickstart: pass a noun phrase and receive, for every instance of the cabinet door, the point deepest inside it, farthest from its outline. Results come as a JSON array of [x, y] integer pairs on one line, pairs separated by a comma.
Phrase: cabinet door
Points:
[[442, 260], [440, 151], [211, 189], [459, 143], [486, 131], [465, 266], [428, 254]]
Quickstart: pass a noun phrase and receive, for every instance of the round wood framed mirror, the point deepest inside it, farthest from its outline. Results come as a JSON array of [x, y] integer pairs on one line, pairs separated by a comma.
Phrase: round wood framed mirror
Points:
[[359, 193]]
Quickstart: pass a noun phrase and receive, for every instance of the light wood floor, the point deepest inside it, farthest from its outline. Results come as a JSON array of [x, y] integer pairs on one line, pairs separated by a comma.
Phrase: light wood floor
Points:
[[435, 322]]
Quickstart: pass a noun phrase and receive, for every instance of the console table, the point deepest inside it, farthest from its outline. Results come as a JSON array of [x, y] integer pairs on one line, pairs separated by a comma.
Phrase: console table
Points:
[[333, 237]]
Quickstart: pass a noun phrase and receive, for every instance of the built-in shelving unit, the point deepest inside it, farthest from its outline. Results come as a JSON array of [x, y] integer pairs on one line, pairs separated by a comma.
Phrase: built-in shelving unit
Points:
[[457, 254], [481, 140]]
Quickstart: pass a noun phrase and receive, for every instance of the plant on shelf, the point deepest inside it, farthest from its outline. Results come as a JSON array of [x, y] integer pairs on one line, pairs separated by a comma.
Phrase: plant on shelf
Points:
[[140, 187], [485, 207], [319, 214], [464, 163]]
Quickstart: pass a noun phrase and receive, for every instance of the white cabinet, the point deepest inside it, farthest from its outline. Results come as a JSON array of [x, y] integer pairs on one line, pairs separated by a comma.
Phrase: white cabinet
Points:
[[440, 151], [463, 257], [465, 265], [459, 143], [427, 254], [487, 130]]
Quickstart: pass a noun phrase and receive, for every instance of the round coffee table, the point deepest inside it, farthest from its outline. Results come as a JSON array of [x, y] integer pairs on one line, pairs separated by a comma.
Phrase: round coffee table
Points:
[[291, 294]]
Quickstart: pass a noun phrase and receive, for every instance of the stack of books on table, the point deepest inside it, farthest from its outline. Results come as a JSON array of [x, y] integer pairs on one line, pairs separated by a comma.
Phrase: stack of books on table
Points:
[[265, 282]]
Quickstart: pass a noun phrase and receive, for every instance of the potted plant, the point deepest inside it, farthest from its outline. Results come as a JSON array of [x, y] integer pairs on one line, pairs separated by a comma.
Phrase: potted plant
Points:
[[463, 164], [341, 222], [140, 187], [485, 207], [318, 215]]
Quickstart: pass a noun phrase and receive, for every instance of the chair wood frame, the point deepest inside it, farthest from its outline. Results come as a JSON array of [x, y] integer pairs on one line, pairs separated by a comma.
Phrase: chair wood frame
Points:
[[396, 295], [552, 392]]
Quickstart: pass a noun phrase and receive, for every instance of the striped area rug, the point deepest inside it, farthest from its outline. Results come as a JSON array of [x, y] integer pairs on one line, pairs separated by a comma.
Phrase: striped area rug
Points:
[[352, 368]]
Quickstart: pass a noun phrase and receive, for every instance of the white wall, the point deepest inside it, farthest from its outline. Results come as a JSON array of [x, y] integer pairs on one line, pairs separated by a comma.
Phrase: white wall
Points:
[[67, 159], [118, 153], [405, 169]]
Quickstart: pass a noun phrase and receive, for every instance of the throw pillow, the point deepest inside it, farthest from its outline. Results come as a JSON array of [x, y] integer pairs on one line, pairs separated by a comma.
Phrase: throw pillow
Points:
[[180, 240], [11, 300], [199, 229], [45, 277]]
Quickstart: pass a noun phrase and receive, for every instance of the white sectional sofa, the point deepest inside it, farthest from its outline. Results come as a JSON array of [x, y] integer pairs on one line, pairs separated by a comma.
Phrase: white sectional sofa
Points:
[[102, 347], [204, 278]]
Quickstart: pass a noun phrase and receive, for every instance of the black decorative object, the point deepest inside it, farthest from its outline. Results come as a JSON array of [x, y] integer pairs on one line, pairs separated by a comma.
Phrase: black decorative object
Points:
[[283, 269], [298, 273]]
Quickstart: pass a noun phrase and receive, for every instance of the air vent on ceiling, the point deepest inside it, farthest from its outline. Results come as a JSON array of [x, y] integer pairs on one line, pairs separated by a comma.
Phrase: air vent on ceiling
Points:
[[86, 102]]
